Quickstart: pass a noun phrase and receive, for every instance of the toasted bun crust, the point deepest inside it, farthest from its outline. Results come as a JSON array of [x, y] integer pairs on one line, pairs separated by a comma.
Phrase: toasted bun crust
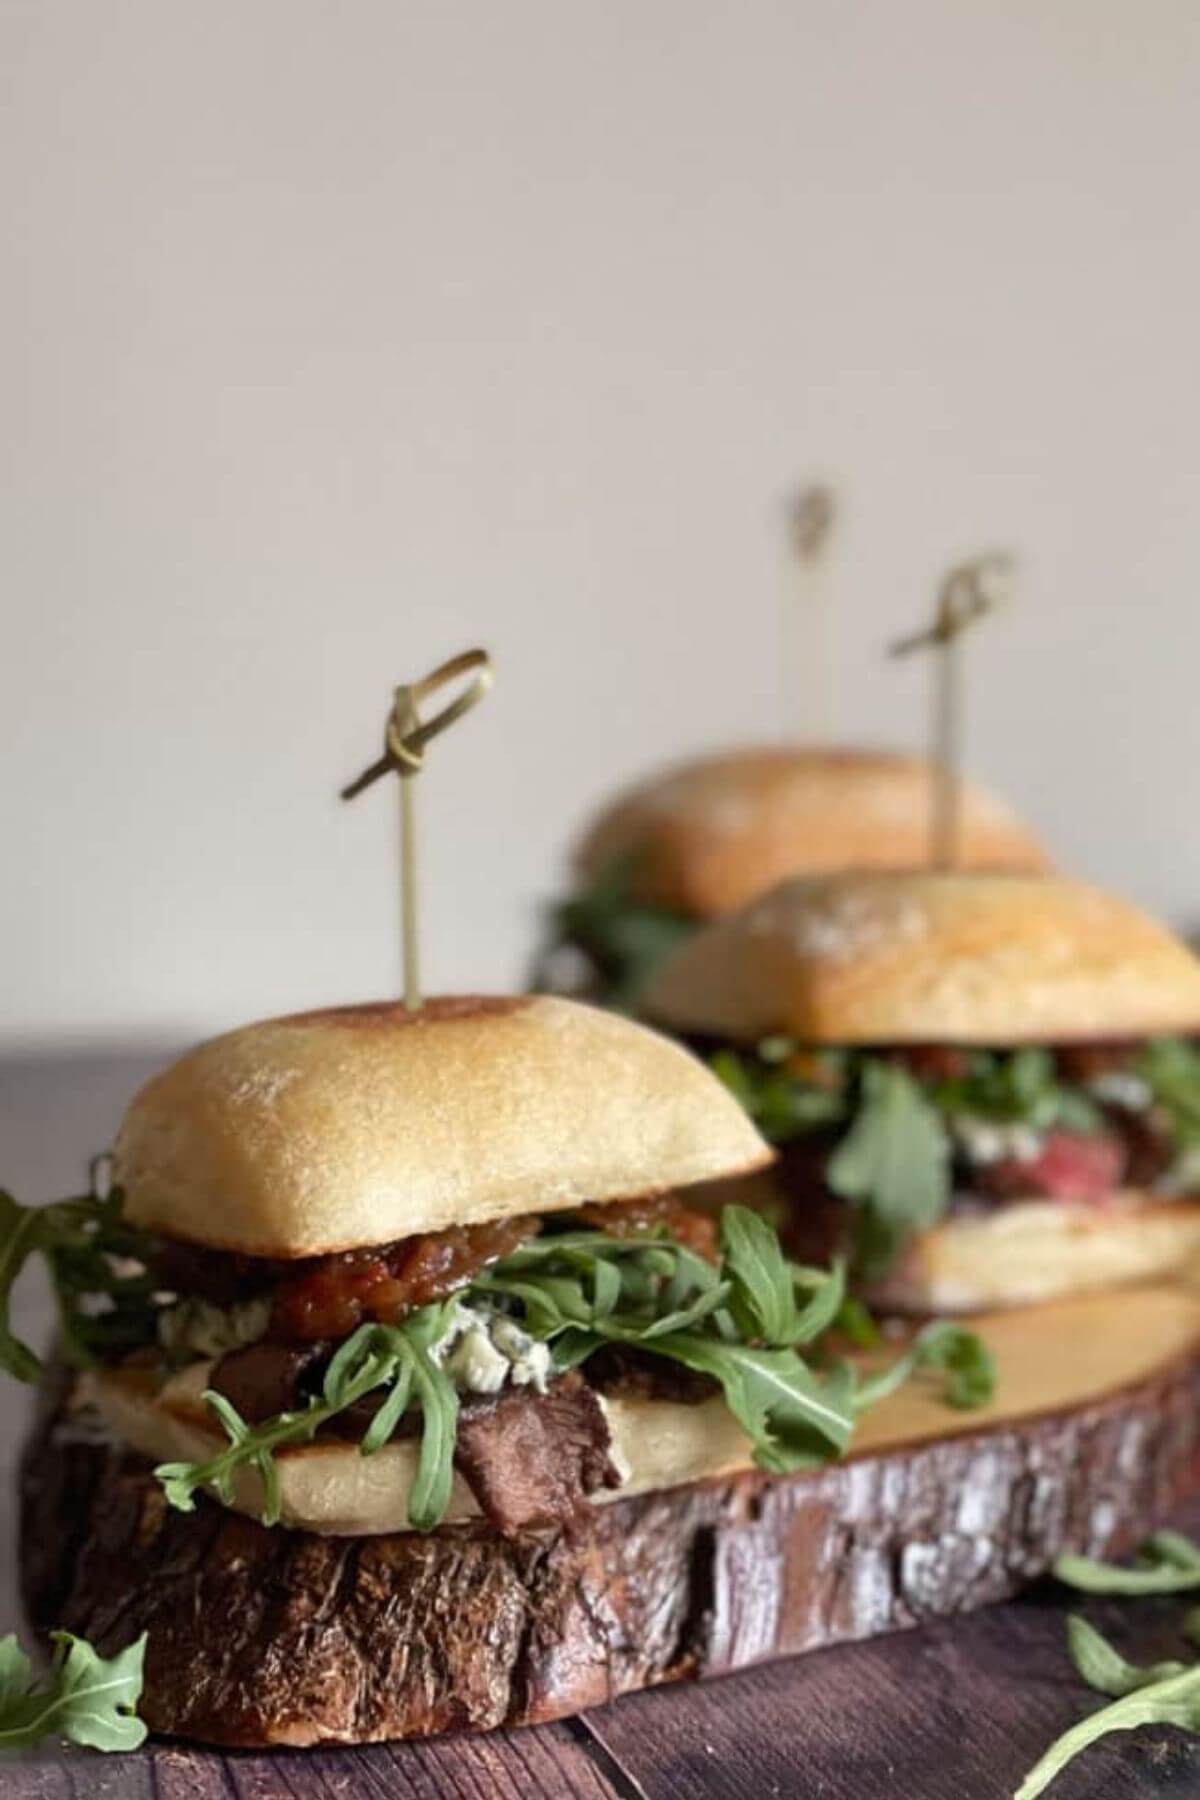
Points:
[[1037, 1250], [334, 1130], [892, 958], [708, 836]]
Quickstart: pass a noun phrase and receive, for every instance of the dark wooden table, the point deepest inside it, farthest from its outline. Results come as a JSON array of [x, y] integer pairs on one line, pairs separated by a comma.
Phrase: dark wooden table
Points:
[[954, 1711]]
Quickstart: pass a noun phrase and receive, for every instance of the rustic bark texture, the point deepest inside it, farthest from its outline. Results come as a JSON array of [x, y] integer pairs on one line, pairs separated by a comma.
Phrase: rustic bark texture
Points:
[[271, 1637]]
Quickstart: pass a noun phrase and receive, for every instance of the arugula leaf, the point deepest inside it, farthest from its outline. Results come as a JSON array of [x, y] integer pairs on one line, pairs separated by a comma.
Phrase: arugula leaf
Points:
[[76, 1238], [16, 1672], [826, 1305], [743, 1324], [1105, 1669], [782, 1102], [1172, 1701], [374, 1356], [1019, 1087], [1167, 1563], [1170, 1067], [23, 1231], [854, 1321], [893, 1164], [86, 1698], [763, 1296], [1164, 1693], [437, 1397], [624, 939], [961, 1356], [792, 1417]]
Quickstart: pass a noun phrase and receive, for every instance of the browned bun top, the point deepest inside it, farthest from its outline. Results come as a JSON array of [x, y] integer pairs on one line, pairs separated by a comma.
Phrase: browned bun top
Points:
[[707, 836], [895, 958], [361, 1124]]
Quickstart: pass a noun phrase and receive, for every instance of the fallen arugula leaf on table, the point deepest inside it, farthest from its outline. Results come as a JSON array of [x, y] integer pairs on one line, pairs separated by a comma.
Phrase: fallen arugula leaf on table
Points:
[[1164, 1693], [1175, 1701], [1167, 1563], [1106, 1669], [85, 1698]]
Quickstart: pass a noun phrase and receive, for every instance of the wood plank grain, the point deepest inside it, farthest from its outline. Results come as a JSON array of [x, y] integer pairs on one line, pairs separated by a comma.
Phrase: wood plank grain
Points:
[[541, 1764], [956, 1711]]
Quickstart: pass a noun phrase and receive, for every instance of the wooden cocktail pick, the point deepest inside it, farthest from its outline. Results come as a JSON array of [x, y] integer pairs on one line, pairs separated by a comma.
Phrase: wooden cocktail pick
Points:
[[969, 590], [405, 737], [811, 520]]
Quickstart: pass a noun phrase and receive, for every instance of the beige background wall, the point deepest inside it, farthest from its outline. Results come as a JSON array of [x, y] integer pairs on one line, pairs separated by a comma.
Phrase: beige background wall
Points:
[[335, 335]]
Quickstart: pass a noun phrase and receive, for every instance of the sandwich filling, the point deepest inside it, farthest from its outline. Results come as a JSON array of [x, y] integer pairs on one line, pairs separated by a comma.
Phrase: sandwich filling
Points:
[[881, 1145], [506, 1369], [603, 943]]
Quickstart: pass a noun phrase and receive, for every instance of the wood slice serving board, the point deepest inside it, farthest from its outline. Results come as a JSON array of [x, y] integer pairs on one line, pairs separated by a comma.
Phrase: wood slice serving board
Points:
[[261, 1636]]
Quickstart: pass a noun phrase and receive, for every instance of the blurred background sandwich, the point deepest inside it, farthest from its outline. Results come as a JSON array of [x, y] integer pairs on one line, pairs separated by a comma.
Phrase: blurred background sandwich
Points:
[[984, 1087], [702, 839]]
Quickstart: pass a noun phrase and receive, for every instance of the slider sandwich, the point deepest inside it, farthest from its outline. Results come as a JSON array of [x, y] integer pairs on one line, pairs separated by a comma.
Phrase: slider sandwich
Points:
[[985, 1088], [703, 839], [389, 1319]]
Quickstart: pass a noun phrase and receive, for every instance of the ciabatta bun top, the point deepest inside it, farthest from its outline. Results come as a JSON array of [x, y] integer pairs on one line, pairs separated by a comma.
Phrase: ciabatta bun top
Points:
[[339, 1129], [931, 958], [708, 836]]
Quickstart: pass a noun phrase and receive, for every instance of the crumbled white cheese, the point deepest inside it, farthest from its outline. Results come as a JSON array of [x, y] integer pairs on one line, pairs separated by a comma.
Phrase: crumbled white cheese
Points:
[[987, 1141], [529, 1359], [475, 1363], [481, 1351], [1119, 1087], [195, 1328]]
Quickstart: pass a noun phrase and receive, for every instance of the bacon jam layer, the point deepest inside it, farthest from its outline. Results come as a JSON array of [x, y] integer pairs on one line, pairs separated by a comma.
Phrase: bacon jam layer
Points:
[[321, 1299]]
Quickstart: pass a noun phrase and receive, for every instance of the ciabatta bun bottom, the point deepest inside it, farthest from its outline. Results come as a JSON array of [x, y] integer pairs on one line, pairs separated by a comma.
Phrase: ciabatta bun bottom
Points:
[[1035, 1250], [329, 1488]]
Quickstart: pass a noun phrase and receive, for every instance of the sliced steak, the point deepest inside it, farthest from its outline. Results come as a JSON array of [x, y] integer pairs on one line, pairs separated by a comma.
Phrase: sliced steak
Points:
[[266, 1378], [1069, 1166], [627, 1373], [532, 1459]]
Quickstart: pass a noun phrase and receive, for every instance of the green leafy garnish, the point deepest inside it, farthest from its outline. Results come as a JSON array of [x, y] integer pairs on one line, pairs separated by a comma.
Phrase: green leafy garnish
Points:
[[784, 1103], [1162, 1693], [623, 938], [855, 1323], [1017, 1087], [1175, 1701], [1105, 1669], [78, 1239], [743, 1324], [962, 1358], [1170, 1067], [85, 1698], [394, 1356], [894, 1131], [1167, 1563], [893, 1164]]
